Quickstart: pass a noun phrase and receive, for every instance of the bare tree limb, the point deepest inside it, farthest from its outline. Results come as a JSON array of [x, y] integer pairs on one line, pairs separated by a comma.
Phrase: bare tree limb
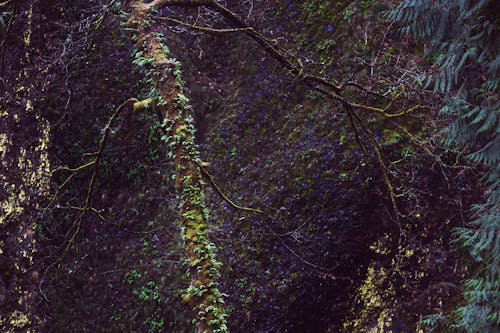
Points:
[[200, 28], [95, 164], [210, 179]]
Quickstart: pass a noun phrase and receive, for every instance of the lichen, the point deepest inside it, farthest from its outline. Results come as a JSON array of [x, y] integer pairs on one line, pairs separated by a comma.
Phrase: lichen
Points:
[[27, 32], [373, 297], [18, 319]]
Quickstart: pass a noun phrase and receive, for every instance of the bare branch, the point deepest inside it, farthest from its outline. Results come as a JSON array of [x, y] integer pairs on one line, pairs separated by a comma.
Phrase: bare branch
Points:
[[5, 3], [294, 66], [223, 196], [200, 28], [189, 3], [95, 163]]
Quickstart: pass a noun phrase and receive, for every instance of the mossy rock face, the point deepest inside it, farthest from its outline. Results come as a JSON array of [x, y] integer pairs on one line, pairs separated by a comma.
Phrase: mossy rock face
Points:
[[328, 255], [25, 167]]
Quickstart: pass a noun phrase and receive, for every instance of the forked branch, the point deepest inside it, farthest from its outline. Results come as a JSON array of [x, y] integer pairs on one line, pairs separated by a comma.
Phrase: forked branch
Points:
[[87, 206]]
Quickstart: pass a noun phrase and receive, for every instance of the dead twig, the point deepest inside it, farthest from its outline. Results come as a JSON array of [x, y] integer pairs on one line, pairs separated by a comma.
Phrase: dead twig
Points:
[[95, 165]]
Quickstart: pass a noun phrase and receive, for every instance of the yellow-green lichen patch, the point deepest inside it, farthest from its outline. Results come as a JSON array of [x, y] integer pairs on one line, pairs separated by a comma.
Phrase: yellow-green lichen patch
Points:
[[375, 297], [27, 33], [4, 147], [372, 296], [18, 319], [10, 207], [24, 180]]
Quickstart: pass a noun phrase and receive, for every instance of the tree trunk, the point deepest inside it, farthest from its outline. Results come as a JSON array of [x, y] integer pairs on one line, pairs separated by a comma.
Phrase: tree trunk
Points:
[[167, 94]]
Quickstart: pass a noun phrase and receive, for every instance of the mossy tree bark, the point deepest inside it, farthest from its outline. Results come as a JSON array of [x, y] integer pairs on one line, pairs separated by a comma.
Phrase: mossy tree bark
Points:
[[24, 174], [167, 95]]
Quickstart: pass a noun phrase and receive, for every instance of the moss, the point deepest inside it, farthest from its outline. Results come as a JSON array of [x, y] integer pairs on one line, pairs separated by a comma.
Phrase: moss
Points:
[[167, 88]]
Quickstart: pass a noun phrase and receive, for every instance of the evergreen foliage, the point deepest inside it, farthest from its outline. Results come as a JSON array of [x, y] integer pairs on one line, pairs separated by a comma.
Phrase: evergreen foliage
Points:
[[463, 42]]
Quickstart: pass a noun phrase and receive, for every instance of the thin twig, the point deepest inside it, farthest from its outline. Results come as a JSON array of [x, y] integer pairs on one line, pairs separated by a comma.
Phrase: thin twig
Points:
[[197, 27], [225, 198], [5, 3], [98, 155], [294, 66]]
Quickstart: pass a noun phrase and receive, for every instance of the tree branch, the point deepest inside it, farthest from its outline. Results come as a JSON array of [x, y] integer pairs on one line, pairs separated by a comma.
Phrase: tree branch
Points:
[[295, 67], [200, 28], [95, 163], [210, 179]]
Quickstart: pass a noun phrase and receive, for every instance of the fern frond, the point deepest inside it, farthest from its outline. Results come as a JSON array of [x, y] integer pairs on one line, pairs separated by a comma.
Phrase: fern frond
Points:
[[466, 44]]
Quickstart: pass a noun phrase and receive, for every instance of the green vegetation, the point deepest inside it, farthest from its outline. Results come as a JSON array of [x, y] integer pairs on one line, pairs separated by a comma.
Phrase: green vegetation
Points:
[[465, 70], [254, 166]]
